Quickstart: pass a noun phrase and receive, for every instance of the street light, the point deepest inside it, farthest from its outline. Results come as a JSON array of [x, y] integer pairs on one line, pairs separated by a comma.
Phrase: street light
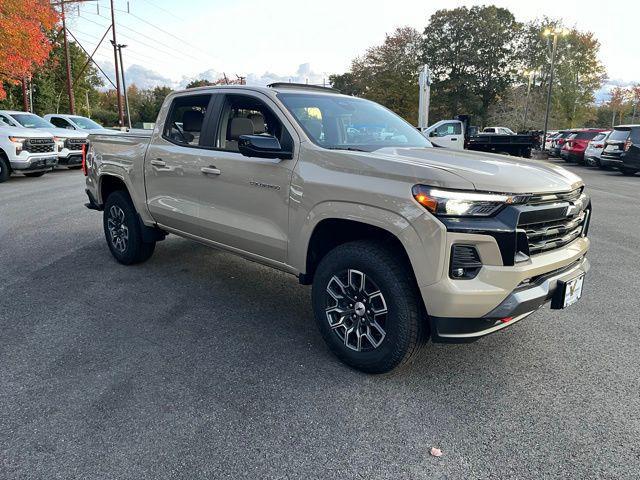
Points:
[[555, 32]]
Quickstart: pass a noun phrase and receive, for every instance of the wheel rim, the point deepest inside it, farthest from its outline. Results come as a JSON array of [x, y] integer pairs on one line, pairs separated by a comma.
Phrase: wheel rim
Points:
[[356, 310], [118, 231]]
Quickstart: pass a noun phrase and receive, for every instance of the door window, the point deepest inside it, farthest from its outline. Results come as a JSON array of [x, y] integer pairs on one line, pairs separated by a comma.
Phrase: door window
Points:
[[185, 119], [60, 122], [453, 128], [247, 115]]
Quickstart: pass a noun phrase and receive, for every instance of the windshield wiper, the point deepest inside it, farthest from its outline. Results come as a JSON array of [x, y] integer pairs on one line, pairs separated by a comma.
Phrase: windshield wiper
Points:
[[353, 149]]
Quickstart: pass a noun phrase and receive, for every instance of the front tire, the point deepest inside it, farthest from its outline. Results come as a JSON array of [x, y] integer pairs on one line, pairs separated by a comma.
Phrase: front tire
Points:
[[123, 231], [367, 307], [5, 172]]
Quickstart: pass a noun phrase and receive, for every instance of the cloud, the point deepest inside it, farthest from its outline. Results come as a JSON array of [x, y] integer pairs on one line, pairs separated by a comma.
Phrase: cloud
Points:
[[604, 93], [137, 75], [304, 74]]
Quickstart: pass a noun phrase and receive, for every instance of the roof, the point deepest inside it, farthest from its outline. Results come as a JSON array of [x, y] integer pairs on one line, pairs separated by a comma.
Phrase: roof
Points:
[[269, 90]]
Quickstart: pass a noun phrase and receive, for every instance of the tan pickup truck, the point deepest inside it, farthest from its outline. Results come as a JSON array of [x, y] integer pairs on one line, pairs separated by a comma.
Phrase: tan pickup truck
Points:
[[400, 240]]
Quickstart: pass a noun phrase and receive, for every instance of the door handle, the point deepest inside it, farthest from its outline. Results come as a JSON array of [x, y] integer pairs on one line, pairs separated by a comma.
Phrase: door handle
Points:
[[210, 170], [454, 139], [158, 163]]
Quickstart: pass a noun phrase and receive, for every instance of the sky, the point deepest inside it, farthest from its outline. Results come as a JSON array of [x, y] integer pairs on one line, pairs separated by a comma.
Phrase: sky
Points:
[[173, 42]]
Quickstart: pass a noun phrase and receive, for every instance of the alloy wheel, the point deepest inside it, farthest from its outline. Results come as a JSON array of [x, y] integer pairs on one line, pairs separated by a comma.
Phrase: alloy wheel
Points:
[[356, 310], [118, 230]]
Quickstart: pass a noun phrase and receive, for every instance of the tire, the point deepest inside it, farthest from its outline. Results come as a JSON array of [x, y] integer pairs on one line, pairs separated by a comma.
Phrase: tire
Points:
[[123, 232], [628, 171], [34, 174], [5, 171], [396, 307]]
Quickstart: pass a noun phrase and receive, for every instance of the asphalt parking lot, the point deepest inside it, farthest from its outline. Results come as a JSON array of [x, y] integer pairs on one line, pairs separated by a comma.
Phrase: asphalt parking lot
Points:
[[198, 364]]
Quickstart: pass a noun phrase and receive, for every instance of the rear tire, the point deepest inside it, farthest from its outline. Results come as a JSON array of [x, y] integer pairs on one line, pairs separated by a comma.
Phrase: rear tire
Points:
[[385, 324], [123, 231], [5, 170], [628, 171], [34, 174]]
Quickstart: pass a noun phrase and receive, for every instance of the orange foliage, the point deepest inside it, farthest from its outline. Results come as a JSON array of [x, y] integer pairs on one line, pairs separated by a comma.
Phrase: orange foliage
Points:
[[23, 41]]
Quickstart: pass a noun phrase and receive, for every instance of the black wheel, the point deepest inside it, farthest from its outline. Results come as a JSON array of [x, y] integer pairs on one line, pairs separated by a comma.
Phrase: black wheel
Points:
[[4, 169], [628, 171], [34, 174], [367, 307], [123, 232]]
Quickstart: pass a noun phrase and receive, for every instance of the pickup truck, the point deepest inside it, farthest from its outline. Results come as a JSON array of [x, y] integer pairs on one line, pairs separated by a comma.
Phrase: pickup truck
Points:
[[400, 241], [459, 134], [25, 151]]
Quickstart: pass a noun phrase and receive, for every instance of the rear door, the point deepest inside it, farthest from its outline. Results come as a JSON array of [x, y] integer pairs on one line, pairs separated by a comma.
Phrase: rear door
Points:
[[173, 161]]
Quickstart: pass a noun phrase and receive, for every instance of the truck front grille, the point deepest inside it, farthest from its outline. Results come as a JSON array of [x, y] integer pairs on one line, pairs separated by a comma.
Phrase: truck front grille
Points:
[[74, 143], [559, 220], [39, 145]]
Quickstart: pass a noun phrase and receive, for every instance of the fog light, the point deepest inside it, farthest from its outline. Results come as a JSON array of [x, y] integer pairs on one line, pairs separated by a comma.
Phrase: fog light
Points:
[[465, 262]]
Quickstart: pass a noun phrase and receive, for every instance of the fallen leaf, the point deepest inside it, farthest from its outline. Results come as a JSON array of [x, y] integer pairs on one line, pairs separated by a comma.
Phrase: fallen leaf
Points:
[[436, 452]]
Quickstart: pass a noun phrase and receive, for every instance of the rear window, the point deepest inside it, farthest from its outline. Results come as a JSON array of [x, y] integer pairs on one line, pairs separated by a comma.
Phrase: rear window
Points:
[[585, 135], [619, 135], [599, 137], [572, 136]]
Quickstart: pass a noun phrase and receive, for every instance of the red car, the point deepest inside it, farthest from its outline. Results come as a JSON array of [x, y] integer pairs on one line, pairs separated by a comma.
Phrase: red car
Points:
[[576, 143]]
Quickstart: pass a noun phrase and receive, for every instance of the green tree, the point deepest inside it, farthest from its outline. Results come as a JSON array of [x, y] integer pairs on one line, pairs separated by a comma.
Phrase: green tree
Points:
[[387, 73], [472, 52]]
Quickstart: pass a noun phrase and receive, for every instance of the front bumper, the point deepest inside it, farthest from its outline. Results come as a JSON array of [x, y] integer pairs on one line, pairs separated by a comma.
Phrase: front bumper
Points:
[[71, 160], [519, 304], [34, 164]]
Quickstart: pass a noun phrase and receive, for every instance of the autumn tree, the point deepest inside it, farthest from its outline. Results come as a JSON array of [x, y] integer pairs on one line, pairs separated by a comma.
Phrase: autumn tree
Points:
[[23, 39]]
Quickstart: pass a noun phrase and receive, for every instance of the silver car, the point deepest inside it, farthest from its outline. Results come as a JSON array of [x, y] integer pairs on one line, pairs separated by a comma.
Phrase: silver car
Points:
[[595, 148]]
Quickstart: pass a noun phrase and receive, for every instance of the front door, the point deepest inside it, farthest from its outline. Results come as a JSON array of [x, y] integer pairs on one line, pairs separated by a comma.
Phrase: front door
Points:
[[447, 133]]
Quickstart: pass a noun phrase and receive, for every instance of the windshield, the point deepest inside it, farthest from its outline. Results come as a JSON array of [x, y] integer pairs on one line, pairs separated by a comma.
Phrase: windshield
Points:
[[86, 123], [29, 120], [349, 123]]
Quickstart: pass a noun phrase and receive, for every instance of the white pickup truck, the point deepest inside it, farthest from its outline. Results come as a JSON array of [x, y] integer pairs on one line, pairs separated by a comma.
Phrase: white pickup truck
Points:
[[26, 151]]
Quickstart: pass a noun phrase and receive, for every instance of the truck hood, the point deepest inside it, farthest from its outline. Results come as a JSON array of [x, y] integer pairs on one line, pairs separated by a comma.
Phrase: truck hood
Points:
[[24, 132], [486, 171], [63, 132]]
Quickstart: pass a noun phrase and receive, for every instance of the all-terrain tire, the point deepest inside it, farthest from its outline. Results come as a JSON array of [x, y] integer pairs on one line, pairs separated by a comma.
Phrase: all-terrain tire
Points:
[[5, 170], [123, 231], [405, 323]]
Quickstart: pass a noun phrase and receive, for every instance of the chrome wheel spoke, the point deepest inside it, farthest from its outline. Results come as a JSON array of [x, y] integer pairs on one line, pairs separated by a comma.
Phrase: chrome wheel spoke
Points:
[[357, 280]]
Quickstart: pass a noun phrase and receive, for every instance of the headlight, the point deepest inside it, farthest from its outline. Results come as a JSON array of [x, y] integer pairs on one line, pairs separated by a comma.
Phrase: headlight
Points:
[[461, 203], [59, 142], [19, 141]]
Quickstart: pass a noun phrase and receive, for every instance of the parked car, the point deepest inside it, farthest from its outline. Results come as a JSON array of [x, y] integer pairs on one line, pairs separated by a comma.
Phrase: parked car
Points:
[[551, 134], [622, 149], [70, 143], [459, 134], [594, 149], [558, 142], [25, 151], [575, 144], [399, 240], [76, 122]]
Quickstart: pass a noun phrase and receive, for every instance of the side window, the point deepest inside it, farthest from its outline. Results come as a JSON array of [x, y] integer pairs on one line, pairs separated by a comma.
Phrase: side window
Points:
[[185, 119], [449, 129], [247, 115], [7, 121]]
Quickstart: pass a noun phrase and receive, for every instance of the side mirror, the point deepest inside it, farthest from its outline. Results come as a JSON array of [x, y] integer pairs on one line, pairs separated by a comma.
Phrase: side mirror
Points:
[[433, 133], [70, 127], [262, 146]]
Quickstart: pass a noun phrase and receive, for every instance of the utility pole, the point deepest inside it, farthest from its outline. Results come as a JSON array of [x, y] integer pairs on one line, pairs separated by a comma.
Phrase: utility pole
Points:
[[86, 95], [555, 32], [72, 102], [115, 56], [124, 84], [424, 99], [25, 98], [526, 105]]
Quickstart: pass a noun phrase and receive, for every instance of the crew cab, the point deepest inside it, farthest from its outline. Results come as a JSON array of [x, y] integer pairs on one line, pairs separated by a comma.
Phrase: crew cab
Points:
[[25, 151], [498, 131], [400, 241], [70, 144]]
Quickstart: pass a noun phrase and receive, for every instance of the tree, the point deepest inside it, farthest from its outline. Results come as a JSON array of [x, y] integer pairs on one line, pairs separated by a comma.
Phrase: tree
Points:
[[199, 83], [387, 73], [23, 42], [472, 53]]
